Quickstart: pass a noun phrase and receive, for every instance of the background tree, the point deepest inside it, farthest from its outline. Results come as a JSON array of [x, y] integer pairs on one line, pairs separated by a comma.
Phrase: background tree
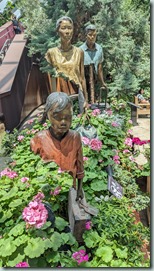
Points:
[[123, 31]]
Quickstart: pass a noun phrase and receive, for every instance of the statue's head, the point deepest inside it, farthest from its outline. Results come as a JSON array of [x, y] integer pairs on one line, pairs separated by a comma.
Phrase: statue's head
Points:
[[61, 19], [59, 110], [91, 33]]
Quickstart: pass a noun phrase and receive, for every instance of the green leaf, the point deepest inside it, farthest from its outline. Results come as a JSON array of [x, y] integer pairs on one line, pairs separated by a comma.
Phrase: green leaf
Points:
[[98, 185], [16, 260], [5, 216], [105, 253], [8, 247], [60, 223], [10, 194], [56, 240], [18, 229], [91, 239], [15, 203], [35, 248], [121, 253]]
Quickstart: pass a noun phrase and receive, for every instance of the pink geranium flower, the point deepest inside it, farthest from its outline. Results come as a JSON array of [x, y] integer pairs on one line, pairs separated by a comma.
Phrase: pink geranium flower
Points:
[[96, 112], [85, 140], [39, 197], [56, 191], [24, 179], [109, 112], [22, 264], [115, 124], [60, 170], [130, 121], [95, 144], [30, 121], [20, 138], [85, 158], [130, 131], [9, 173], [88, 225], [126, 151], [116, 159], [80, 256], [128, 141], [35, 215]]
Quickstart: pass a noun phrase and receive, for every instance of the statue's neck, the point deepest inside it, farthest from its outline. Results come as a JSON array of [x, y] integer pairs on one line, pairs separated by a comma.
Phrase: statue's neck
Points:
[[65, 47]]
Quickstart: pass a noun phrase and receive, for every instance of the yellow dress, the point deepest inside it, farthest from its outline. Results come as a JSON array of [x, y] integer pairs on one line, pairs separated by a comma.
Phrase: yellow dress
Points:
[[67, 64]]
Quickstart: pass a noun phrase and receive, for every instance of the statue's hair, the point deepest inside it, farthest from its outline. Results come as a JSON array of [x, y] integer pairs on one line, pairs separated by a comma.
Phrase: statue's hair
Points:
[[63, 18], [56, 101], [89, 28]]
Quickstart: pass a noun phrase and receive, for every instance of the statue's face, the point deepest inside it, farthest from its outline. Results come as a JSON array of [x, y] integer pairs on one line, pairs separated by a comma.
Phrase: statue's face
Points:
[[91, 36], [61, 121], [65, 30]]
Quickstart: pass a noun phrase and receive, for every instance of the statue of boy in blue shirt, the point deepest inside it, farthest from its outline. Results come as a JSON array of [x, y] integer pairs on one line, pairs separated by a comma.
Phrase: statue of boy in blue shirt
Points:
[[93, 58]]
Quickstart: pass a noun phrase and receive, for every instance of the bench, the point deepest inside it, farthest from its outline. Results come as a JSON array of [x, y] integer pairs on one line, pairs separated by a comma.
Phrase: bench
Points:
[[142, 109]]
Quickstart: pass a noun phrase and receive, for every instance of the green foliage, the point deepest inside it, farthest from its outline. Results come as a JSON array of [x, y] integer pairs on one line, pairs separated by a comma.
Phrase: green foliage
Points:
[[7, 13], [114, 241]]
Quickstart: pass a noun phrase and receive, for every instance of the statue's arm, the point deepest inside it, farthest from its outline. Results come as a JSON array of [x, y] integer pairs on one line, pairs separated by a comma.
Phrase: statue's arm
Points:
[[83, 81]]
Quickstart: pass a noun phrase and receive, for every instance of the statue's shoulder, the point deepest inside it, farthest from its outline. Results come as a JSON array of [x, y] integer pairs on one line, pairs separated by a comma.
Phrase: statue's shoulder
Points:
[[74, 134], [51, 50]]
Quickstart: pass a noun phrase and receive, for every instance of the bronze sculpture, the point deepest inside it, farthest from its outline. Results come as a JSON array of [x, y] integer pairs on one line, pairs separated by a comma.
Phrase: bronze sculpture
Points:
[[68, 61], [93, 58], [58, 143]]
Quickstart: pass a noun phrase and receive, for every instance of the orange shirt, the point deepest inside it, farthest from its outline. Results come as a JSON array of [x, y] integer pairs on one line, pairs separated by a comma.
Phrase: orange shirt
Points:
[[67, 153]]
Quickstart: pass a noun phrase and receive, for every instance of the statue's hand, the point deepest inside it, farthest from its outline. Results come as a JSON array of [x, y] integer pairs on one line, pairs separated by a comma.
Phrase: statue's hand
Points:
[[104, 86], [79, 194]]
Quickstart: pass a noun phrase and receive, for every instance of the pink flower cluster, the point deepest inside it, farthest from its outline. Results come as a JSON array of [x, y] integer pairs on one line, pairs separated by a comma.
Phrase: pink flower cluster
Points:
[[35, 214], [24, 179], [94, 144], [80, 256], [60, 170], [56, 191], [22, 264], [88, 225], [96, 112], [39, 197], [116, 159], [128, 142], [20, 138], [9, 173], [85, 158], [115, 124], [109, 112], [140, 142]]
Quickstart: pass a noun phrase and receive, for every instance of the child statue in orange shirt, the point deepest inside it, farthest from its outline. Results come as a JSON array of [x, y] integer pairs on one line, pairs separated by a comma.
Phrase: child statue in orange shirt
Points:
[[58, 143]]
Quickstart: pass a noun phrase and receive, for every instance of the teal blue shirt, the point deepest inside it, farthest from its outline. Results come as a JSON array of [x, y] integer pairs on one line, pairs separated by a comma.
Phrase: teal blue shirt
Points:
[[92, 56]]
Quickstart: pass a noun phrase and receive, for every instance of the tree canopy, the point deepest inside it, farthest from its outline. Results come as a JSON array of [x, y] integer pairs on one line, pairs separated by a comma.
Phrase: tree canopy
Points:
[[123, 32]]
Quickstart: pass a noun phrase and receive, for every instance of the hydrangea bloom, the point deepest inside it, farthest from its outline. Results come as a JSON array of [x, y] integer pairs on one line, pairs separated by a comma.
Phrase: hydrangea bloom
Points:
[[35, 214], [80, 256], [22, 264], [9, 173], [95, 144]]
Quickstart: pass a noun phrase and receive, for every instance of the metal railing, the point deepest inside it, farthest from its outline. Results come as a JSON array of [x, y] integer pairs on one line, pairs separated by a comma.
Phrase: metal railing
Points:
[[4, 50]]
